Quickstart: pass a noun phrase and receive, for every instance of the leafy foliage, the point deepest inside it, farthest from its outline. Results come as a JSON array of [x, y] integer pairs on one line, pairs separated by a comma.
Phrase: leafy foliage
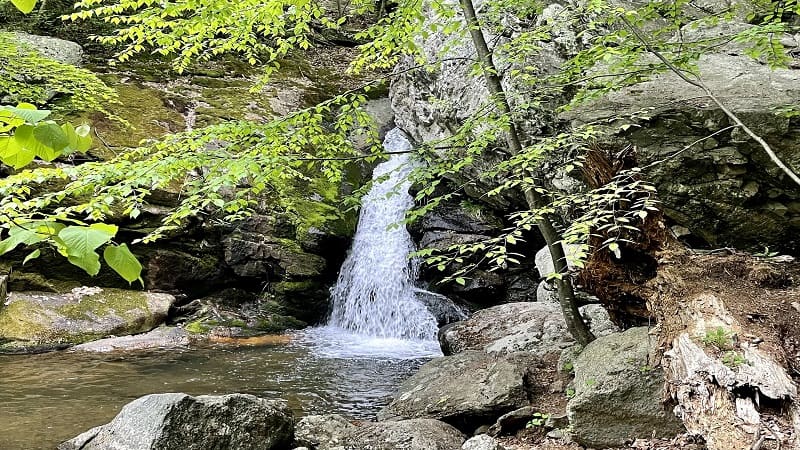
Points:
[[26, 76], [25, 135]]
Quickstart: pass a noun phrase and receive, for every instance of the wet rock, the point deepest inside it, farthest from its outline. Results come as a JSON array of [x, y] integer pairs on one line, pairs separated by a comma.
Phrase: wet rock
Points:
[[160, 338], [538, 328], [443, 309], [482, 442], [67, 52], [259, 256], [618, 392], [465, 390], [181, 422], [34, 320], [239, 313]]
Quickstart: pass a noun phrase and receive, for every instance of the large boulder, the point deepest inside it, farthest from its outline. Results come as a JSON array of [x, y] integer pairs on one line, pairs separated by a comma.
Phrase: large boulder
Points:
[[535, 327], [180, 422], [618, 392], [464, 390], [334, 432], [67, 52], [35, 320]]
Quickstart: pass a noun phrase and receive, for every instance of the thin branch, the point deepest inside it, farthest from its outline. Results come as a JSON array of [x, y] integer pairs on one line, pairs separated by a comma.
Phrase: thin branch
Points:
[[699, 84], [655, 163]]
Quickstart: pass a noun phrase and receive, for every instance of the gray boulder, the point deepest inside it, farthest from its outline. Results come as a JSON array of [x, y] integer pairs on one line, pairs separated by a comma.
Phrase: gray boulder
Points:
[[465, 390], [334, 432], [161, 337], [36, 320], [618, 392], [181, 422], [532, 327], [322, 431], [414, 434], [67, 52], [482, 442]]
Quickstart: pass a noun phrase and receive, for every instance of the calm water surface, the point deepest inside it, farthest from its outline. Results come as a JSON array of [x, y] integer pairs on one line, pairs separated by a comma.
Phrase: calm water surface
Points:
[[48, 398]]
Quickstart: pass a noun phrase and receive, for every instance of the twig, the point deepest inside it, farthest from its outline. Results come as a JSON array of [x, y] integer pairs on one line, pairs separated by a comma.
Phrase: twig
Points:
[[655, 163], [699, 84]]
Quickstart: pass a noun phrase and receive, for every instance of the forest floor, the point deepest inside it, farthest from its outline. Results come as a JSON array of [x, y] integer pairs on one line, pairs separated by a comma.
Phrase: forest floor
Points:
[[756, 303]]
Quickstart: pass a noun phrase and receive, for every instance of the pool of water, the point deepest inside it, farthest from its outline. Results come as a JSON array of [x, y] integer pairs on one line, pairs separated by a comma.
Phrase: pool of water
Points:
[[48, 398]]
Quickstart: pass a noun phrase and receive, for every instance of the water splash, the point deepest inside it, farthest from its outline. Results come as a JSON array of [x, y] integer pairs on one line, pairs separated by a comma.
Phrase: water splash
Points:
[[375, 308]]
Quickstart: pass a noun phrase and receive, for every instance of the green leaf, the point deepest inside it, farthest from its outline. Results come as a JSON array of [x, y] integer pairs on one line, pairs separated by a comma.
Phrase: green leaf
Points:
[[14, 154], [52, 136], [19, 236], [25, 6], [89, 262], [80, 243], [31, 256], [27, 112], [120, 258]]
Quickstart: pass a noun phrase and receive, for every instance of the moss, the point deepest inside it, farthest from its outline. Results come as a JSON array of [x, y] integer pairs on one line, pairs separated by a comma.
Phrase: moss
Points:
[[144, 108], [22, 321], [108, 302], [277, 323], [197, 327], [289, 287]]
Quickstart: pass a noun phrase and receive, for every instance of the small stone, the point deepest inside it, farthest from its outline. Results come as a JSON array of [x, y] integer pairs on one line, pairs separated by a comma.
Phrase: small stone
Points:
[[555, 434], [482, 442], [556, 421]]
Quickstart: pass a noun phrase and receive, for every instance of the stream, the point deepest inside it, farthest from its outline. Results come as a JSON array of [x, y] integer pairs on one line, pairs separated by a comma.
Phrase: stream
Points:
[[48, 398]]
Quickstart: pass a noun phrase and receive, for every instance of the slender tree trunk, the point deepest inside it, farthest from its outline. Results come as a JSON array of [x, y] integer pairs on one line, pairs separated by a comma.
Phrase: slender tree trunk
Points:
[[566, 292]]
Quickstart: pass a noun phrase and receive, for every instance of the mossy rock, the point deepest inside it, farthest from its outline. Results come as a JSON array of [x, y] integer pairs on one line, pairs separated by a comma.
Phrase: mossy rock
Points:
[[37, 320]]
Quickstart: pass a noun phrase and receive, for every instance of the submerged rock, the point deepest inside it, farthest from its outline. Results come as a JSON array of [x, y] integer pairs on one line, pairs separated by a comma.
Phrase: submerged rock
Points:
[[162, 337], [180, 422], [618, 392], [35, 320], [465, 390]]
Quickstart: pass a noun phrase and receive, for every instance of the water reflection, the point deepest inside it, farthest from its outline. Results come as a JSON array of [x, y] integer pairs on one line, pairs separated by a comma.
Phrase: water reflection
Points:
[[45, 399]]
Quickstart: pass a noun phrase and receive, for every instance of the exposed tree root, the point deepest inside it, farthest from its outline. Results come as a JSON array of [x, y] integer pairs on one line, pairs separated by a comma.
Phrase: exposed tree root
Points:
[[722, 325]]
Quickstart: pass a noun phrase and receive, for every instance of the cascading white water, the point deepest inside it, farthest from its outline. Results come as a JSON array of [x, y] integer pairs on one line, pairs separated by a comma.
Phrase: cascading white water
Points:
[[375, 308], [374, 294]]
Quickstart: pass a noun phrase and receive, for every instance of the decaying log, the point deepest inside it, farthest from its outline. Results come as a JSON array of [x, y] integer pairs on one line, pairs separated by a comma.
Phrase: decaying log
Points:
[[724, 403]]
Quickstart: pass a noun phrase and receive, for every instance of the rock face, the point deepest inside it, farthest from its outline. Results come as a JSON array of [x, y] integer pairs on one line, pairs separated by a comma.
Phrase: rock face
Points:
[[181, 422], [162, 337], [333, 432], [618, 392], [30, 320], [464, 390], [724, 190]]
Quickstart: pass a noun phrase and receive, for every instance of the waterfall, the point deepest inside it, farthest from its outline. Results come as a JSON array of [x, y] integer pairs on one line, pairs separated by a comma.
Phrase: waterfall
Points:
[[374, 294], [375, 309]]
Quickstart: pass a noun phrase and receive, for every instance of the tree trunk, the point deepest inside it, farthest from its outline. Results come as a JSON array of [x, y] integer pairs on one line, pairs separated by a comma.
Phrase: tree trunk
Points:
[[566, 292]]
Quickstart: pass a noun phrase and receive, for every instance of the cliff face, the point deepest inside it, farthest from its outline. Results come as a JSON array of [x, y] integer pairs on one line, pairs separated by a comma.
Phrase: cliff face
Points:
[[721, 191]]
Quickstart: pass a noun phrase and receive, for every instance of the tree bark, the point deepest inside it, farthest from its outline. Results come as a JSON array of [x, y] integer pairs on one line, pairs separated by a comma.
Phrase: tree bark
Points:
[[566, 291]]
